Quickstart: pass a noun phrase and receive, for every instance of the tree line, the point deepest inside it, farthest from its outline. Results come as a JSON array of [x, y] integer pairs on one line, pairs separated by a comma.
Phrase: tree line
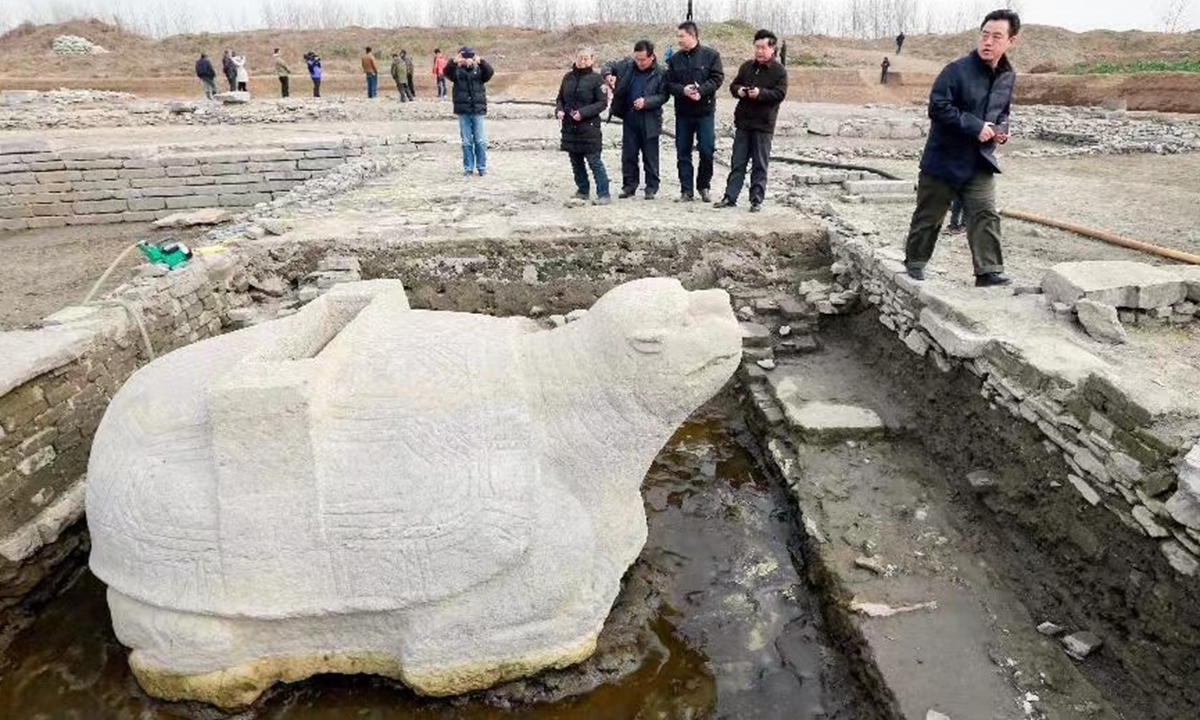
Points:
[[865, 19]]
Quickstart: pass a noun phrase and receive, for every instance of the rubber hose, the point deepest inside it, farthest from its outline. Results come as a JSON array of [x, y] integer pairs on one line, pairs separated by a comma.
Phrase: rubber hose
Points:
[[1111, 238], [104, 277], [137, 318]]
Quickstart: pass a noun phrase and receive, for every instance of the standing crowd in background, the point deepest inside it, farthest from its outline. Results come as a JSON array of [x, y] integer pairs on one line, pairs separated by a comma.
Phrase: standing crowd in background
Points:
[[403, 72], [969, 108]]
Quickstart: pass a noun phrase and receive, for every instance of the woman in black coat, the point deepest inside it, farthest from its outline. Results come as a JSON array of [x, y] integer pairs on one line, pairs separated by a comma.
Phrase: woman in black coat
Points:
[[581, 102]]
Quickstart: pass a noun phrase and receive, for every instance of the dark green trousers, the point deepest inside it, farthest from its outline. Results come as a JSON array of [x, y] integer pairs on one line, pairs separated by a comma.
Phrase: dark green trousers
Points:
[[934, 196]]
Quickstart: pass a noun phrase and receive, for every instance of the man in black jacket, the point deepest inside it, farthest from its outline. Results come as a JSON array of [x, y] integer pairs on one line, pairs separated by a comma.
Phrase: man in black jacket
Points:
[[639, 92], [969, 106], [470, 75], [760, 86], [579, 105], [207, 75], [229, 69], [694, 74]]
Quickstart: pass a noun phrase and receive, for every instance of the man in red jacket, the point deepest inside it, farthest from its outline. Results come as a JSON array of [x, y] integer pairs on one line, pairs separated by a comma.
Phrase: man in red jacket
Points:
[[760, 86]]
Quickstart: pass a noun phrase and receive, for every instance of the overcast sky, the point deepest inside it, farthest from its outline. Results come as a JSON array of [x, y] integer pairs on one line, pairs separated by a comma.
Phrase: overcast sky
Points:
[[231, 14]]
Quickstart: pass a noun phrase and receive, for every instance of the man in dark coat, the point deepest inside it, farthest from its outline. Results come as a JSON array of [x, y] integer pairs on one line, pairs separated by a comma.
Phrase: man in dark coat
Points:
[[900, 42], [470, 75], [639, 87], [760, 86], [883, 71], [207, 75], [400, 76], [408, 71], [580, 103], [229, 69], [694, 74], [969, 106]]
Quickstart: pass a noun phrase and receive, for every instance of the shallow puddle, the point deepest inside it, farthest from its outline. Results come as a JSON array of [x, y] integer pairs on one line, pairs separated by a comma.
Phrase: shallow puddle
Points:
[[713, 620]]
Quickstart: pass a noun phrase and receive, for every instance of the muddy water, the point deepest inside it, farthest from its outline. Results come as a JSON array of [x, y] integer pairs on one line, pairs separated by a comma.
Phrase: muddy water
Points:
[[713, 621]]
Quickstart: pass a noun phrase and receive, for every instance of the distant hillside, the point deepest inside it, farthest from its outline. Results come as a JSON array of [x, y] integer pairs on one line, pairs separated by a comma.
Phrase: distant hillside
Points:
[[25, 52]]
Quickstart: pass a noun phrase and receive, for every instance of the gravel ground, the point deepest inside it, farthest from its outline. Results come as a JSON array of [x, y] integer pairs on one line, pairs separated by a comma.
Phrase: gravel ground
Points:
[[1149, 197]]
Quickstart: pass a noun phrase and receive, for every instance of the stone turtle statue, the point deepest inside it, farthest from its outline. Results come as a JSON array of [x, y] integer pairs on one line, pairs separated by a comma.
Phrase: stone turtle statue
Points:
[[443, 498]]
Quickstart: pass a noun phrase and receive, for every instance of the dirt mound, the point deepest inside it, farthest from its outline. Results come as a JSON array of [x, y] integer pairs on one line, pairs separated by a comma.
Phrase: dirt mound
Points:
[[1045, 47], [26, 50]]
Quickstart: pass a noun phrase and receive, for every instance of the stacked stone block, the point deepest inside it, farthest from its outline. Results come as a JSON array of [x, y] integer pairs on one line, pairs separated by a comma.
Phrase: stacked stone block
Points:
[[55, 384], [1124, 456], [41, 187]]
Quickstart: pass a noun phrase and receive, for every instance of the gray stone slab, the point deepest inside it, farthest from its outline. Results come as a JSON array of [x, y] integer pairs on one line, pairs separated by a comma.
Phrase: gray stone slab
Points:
[[24, 147], [755, 335], [879, 187], [833, 422], [211, 216], [1190, 276], [25, 354], [955, 340], [1101, 321], [1119, 283]]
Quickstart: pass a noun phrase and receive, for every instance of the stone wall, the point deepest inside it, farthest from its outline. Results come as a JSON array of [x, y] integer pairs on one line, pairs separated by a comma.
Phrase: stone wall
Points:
[[55, 384], [41, 187], [1128, 451]]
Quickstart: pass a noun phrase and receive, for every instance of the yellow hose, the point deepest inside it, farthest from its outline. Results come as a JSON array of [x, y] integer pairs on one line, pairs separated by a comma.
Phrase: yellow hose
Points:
[[1111, 238]]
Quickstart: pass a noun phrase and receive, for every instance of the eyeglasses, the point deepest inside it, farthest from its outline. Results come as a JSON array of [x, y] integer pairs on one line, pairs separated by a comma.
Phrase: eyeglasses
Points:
[[996, 36]]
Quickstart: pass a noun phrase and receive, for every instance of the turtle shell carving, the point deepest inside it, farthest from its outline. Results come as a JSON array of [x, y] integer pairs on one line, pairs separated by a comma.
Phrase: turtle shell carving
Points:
[[446, 498]]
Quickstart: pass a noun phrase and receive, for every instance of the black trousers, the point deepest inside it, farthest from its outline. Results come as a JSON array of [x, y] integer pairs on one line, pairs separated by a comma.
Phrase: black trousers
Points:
[[750, 147], [232, 82], [283, 85], [411, 87], [241, 87], [316, 87], [635, 144]]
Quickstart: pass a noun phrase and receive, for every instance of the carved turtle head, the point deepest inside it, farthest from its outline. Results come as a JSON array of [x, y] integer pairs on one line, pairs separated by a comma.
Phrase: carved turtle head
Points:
[[674, 347]]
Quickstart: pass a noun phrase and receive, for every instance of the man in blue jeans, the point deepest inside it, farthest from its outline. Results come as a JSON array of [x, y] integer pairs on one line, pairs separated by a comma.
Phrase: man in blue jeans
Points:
[[371, 71], [470, 75], [694, 74], [580, 103]]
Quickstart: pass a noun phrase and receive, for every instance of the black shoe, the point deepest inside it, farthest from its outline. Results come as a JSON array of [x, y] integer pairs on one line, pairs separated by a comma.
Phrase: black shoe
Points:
[[685, 197], [755, 207], [626, 194], [650, 194], [705, 197], [992, 279], [724, 203], [581, 196], [917, 274]]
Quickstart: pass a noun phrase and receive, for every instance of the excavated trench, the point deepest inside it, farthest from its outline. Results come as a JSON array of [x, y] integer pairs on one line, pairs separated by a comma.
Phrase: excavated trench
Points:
[[726, 613], [715, 619]]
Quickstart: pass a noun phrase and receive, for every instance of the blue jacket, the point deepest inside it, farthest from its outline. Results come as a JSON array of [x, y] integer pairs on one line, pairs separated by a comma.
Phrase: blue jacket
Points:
[[967, 94]]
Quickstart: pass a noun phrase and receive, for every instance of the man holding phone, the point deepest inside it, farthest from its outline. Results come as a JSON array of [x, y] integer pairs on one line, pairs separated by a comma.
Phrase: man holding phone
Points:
[[969, 106], [694, 74], [470, 75]]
